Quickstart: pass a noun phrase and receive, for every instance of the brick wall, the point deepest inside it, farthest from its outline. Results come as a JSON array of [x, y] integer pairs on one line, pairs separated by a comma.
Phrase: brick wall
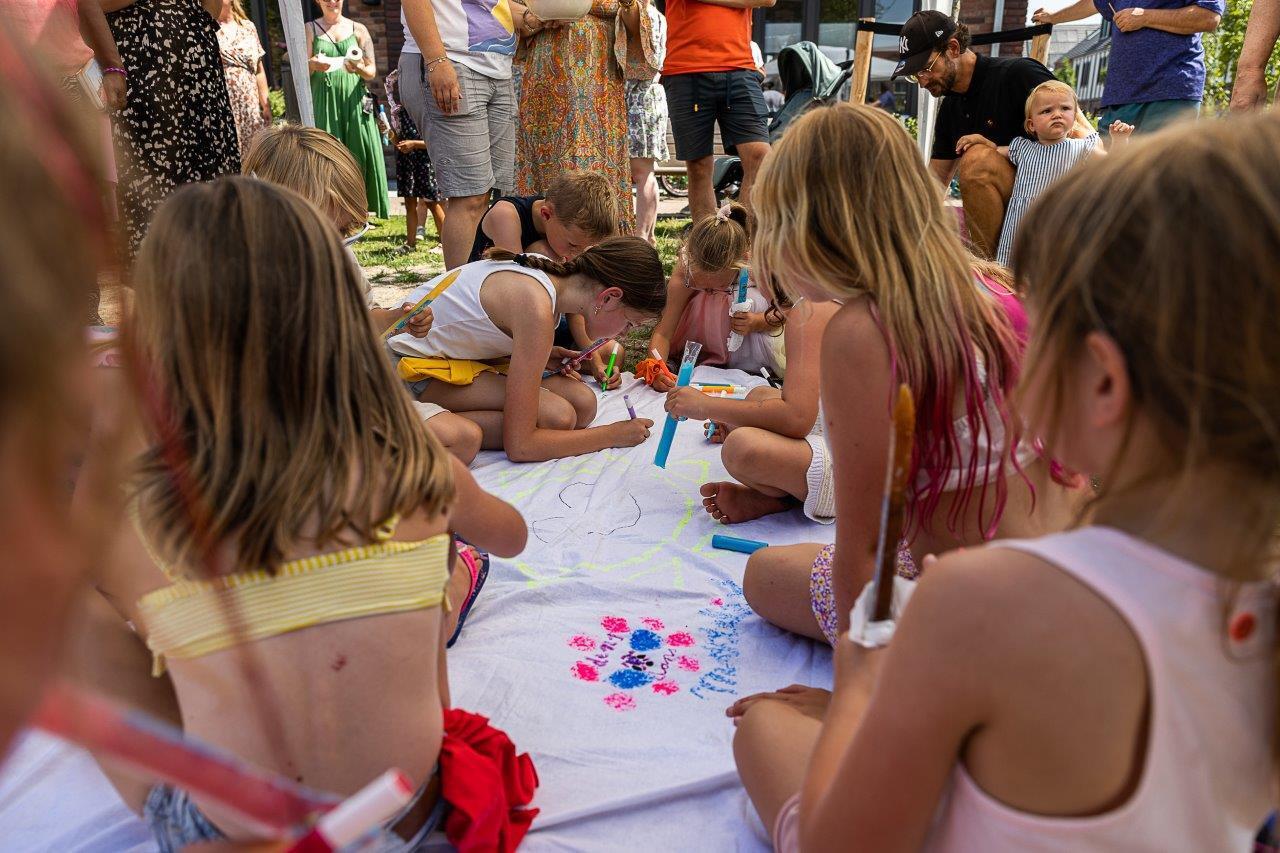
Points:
[[375, 20], [979, 15]]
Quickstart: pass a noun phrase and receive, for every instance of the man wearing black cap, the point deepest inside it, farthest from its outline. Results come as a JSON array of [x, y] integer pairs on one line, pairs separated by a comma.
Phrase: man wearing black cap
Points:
[[982, 95]]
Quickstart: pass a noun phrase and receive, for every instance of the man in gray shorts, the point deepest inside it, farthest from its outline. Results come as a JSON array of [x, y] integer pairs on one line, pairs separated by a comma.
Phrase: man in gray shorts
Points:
[[455, 81]]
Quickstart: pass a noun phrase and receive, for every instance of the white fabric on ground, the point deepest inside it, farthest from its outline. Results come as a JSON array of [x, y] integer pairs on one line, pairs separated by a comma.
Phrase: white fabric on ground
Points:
[[609, 650]]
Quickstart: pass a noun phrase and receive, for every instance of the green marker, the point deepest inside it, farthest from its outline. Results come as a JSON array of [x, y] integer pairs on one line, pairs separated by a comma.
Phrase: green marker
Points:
[[608, 371]]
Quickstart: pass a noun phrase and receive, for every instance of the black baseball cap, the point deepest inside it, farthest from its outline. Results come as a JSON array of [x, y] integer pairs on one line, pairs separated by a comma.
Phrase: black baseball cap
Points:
[[922, 34]]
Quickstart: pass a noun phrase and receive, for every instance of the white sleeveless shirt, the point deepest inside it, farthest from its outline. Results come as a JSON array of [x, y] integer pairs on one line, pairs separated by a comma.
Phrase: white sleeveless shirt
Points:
[[461, 329], [1207, 779]]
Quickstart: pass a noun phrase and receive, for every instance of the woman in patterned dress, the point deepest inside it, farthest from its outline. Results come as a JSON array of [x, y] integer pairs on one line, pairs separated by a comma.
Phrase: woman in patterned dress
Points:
[[647, 130], [176, 126], [339, 95], [573, 110], [246, 79]]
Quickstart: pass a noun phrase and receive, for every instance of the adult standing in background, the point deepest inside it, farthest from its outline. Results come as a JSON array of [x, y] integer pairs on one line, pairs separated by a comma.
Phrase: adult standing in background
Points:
[[343, 106], [1249, 90], [246, 78], [176, 126], [455, 82], [1155, 74], [573, 109], [647, 129], [711, 77]]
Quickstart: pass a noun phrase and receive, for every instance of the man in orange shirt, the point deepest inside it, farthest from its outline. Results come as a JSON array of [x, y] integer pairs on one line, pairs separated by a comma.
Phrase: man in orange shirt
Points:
[[710, 77]]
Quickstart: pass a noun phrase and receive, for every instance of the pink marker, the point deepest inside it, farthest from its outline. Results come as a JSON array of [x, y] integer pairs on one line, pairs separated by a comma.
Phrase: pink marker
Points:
[[354, 817]]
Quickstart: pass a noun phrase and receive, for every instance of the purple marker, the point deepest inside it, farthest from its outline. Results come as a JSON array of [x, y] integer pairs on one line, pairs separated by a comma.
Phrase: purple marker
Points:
[[631, 410]]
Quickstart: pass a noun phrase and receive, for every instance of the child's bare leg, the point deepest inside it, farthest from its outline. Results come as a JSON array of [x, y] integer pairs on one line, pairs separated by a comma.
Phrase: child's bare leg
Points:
[[776, 585], [771, 747], [437, 214], [411, 222], [764, 392], [771, 469], [459, 436], [483, 401], [582, 398]]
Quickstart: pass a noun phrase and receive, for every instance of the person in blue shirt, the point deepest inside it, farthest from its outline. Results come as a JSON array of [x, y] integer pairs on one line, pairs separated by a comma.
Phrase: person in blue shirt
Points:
[[1156, 71]]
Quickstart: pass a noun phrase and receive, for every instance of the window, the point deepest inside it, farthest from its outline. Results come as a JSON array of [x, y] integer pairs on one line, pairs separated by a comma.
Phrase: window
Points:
[[783, 25]]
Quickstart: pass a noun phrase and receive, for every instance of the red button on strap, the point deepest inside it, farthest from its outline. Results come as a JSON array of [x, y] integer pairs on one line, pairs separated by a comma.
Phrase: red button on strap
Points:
[[1241, 627]]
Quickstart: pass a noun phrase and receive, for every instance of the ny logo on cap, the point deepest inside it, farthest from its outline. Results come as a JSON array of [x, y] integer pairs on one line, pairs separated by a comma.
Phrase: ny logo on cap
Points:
[[903, 47]]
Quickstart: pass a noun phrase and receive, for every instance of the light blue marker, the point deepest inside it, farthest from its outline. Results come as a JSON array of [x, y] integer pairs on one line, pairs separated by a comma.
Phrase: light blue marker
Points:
[[691, 350], [733, 543]]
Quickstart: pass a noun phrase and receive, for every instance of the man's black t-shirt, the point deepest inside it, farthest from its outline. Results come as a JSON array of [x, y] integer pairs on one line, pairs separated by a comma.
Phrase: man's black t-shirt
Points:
[[995, 104]]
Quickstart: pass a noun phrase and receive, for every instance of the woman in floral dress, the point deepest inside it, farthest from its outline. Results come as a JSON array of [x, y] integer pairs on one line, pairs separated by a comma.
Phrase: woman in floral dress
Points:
[[176, 126], [573, 110], [246, 79]]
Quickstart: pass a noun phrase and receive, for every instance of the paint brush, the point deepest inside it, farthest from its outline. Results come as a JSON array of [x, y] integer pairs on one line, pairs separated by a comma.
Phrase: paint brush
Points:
[[893, 508], [398, 326]]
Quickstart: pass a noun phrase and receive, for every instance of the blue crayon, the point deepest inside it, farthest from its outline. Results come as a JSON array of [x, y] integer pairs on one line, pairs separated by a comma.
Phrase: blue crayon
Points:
[[733, 543]]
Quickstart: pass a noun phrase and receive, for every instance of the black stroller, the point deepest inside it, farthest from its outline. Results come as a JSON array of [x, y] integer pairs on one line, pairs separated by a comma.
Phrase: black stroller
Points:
[[808, 78]]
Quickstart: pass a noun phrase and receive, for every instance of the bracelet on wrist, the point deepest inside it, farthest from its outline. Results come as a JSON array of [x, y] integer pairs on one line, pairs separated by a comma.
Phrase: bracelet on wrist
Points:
[[114, 69], [433, 62]]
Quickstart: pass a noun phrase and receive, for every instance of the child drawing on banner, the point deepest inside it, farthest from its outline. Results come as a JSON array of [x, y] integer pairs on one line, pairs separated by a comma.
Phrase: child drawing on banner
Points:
[[491, 344], [328, 505], [577, 211], [321, 169], [773, 442], [1117, 687], [1051, 108], [702, 288], [920, 317]]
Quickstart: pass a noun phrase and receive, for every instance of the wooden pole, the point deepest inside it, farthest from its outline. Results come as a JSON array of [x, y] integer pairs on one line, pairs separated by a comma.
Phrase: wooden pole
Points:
[[1040, 49], [861, 62]]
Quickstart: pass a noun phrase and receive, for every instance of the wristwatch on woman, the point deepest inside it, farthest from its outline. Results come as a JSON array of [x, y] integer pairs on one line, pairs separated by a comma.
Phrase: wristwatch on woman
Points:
[[533, 28], [626, 4]]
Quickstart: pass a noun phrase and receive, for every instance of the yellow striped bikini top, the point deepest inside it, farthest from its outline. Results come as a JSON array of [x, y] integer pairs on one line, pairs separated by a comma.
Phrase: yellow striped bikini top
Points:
[[192, 618]]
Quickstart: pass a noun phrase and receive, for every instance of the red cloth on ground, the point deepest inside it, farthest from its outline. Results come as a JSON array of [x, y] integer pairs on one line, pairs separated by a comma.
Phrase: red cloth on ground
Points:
[[485, 784]]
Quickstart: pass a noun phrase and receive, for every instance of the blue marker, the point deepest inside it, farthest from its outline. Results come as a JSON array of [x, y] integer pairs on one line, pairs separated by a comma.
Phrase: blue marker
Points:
[[733, 543], [691, 350], [743, 275]]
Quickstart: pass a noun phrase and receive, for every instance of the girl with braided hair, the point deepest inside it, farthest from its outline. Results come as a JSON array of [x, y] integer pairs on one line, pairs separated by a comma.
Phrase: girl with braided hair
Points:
[[492, 340]]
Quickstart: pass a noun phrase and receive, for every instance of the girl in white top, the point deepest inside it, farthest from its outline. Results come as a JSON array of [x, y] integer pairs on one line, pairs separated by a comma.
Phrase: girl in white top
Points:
[[1112, 687], [507, 308]]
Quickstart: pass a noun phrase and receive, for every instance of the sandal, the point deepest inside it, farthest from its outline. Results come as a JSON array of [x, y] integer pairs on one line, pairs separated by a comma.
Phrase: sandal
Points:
[[477, 563]]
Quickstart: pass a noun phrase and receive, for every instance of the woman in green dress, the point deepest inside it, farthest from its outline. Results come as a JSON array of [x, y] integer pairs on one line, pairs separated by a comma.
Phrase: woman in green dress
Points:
[[339, 95]]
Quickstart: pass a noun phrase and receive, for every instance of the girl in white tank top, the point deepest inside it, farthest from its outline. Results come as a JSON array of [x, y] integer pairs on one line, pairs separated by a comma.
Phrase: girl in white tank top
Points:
[[491, 341], [1112, 687]]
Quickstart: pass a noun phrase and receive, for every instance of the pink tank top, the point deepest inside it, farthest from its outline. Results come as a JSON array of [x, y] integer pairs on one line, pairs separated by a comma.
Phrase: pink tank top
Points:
[[1207, 781]]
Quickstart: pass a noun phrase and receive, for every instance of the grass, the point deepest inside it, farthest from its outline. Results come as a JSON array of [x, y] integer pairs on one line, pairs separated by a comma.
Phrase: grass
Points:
[[376, 252]]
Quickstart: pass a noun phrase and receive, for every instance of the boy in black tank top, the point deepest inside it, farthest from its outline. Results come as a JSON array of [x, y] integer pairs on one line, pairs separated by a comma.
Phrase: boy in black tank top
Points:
[[578, 210]]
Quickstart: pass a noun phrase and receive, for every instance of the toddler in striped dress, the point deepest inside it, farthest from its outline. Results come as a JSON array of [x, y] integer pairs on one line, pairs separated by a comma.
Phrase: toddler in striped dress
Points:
[[1051, 113]]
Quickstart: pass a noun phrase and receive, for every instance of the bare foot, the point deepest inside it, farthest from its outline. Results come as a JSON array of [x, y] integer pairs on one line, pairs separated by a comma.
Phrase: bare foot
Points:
[[731, 503]]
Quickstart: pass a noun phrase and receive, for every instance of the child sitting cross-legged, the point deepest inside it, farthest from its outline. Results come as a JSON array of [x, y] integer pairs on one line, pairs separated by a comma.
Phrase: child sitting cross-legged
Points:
[[773, 441], [1111, 687], [290, 562], [576, 212]]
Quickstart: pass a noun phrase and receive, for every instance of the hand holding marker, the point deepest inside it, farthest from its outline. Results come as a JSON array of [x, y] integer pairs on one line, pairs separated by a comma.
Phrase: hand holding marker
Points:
[[691, 351], [577, 359], [608, 371]]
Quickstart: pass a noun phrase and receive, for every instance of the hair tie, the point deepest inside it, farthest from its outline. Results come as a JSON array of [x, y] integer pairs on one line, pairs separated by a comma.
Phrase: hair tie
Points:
[[722, 215]]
